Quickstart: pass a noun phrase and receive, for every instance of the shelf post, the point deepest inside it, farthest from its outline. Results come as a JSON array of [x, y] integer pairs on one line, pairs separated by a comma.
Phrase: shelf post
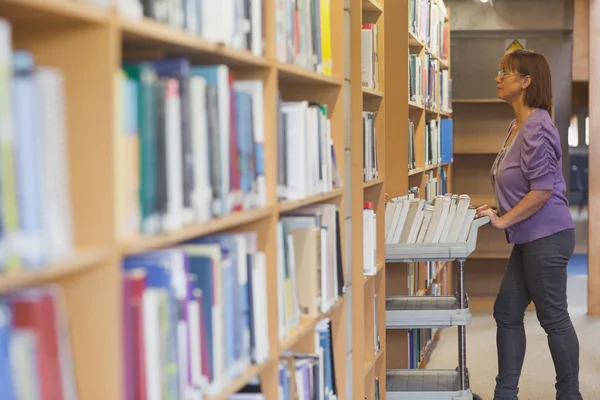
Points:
[[462, 333]]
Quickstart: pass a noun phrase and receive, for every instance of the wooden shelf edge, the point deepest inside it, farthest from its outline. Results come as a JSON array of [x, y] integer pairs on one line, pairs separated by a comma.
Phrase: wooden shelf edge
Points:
[[416, 171], [414, 41], [146, 29], [378, 269], [141, 244], [306, 326], [64, 9], [290, 205], [239, 382], [297, 74], [372, 182], [373, 93], [372, 6], [80, 262], [369, 365]]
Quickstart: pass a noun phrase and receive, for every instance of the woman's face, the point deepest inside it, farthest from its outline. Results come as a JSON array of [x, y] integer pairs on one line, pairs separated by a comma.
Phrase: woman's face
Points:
[[510, 85]]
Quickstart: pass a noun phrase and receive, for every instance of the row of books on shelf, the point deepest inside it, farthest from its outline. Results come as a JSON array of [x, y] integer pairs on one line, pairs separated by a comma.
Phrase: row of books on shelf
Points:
[[435, 184], [310, 375], [431, 275], [446, 219], [435, 278], [167, 349], [303, 33], [426, 20], [309, 263], [370, 158], [236, 23], [370, 56], [191, 146], [438, 142], [35, 206], [306, 159], [418, 341], [35, 354], [195, 316], [429, 84]]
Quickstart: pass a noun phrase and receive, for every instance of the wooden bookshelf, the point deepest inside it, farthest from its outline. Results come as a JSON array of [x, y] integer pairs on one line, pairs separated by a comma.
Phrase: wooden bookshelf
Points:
[[89, 44], [368, 288], [401, 41], [480, 126]]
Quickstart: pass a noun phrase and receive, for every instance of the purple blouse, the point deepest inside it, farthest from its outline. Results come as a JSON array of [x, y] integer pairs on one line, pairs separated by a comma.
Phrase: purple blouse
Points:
[[532, 162]]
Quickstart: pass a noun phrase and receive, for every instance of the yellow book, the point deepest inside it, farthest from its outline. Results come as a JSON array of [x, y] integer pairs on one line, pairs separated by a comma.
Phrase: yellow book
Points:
[[326, 36]]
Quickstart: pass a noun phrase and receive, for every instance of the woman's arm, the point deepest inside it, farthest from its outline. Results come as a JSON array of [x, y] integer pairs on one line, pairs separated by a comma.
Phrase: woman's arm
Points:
[[529, 205]]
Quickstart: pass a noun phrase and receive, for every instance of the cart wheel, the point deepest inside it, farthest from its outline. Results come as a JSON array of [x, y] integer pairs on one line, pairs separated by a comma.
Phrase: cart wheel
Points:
[[476, 397]]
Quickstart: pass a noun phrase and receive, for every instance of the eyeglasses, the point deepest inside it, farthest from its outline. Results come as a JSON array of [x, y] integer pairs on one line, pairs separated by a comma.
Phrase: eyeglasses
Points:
[[503, 74]]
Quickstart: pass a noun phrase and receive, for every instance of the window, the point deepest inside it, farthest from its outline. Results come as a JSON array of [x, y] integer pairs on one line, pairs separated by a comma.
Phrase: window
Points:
[[573, 133], [587, 131]]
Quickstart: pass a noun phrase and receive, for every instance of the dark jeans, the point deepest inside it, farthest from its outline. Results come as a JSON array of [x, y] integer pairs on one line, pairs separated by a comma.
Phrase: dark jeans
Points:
[[537, 271]]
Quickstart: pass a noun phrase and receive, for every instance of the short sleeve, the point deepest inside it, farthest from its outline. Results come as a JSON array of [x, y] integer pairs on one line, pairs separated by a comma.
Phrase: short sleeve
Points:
[[540, 153]]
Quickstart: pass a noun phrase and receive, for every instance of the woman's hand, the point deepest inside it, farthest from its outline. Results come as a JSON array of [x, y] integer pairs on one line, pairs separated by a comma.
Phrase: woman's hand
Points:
[[495, 220]]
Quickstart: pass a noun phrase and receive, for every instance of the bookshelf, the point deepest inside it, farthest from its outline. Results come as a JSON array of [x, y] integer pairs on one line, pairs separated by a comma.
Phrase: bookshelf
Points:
[[86, 56], [480, 126], [418, 107], [368, 87]]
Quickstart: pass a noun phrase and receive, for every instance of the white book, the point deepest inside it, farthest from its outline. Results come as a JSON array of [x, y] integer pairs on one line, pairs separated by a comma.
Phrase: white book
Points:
[[438, 203], [260, 300], [449, 221], [56, 185], [401, 225], [174, 215], [298, 176], [466, 226], [411, 237], [427, 214], [461, 212], [395, 220], [443, 218], [203, 193], [390, 208]]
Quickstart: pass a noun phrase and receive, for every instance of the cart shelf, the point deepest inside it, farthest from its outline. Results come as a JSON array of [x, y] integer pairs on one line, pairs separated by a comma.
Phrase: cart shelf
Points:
[[425, 384], [405, 312], [416, 252]]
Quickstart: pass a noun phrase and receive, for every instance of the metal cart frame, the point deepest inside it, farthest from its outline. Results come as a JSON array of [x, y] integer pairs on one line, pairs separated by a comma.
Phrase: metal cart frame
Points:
[[446, 385]]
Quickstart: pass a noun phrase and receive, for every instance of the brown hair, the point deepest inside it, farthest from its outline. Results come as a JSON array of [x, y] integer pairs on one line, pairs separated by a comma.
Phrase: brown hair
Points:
[[527, 62]]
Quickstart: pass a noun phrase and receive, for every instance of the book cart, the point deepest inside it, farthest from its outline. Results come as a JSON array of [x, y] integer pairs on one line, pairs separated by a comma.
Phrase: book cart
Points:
[[407, 312]]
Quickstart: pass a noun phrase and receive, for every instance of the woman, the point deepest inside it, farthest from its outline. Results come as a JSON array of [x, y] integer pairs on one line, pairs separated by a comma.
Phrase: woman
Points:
[[533, 211]]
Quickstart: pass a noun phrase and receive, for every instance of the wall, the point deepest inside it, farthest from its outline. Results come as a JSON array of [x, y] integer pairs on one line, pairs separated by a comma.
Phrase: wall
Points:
[[479, 34]]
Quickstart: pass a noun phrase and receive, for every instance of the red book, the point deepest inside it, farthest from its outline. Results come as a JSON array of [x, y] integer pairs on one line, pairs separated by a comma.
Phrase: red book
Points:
[[36, 311], [136, 284]]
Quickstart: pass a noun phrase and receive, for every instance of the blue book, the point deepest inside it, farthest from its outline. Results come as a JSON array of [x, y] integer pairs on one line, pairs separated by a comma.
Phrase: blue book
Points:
[[7, 390], [446, 138], [28, 154]]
